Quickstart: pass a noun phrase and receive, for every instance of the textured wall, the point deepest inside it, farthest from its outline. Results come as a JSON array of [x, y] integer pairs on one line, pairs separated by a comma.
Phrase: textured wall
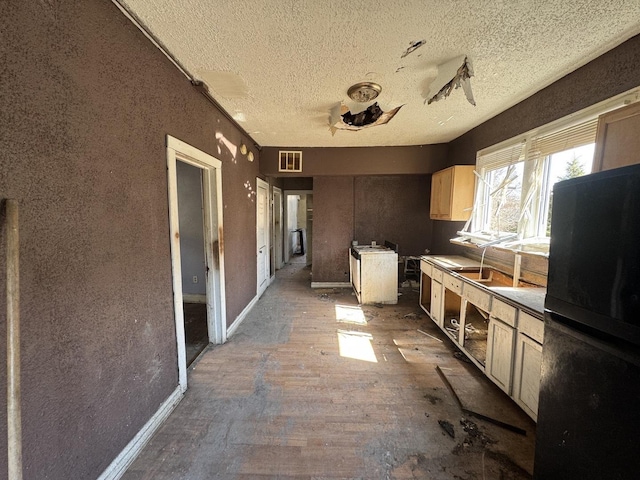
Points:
[[379, 208], [332, 228], [394, 208], [296, 183], [419, 159], [86, 104]]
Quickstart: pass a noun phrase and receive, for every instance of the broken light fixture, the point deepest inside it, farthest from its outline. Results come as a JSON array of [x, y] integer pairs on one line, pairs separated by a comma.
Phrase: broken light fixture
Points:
[[364, 92]]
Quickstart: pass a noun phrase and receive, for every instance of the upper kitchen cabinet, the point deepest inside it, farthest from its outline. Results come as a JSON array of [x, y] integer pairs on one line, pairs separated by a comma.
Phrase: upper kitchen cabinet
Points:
[[618, 138], [452, 193]]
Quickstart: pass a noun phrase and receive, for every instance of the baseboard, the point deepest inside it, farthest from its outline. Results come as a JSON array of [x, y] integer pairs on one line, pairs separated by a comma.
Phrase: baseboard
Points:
[[194, 298], [236, 323], [330, 285], [126, 457]]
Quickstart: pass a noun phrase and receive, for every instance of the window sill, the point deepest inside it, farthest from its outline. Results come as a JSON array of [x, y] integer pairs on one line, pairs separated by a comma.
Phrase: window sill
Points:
[[538, 247]]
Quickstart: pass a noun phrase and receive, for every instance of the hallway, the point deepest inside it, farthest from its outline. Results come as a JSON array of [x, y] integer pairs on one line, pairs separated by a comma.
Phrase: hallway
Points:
[[313, 386]]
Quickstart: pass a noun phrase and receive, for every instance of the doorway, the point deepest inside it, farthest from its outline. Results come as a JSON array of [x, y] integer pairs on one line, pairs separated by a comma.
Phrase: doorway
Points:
[[192, 258], [276, 216], [298, 218], [196, 229]]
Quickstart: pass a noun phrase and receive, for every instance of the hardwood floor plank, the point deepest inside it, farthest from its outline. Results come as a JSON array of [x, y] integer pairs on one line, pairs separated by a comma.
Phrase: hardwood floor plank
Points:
[[297, 394]]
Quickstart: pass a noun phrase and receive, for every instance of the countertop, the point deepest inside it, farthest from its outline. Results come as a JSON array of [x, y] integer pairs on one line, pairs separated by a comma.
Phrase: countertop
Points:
[[452, 262], [531, 299]]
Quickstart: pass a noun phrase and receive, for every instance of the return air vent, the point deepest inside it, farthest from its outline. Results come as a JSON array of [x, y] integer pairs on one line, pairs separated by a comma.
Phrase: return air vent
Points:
[[290, 161]]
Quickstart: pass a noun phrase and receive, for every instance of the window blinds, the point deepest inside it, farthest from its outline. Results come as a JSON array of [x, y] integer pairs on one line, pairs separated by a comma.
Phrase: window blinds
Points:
[[565, 139], [503, 157]]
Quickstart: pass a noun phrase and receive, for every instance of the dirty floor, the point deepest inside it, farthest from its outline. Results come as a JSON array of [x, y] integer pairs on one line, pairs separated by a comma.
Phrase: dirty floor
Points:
[[312, 386]]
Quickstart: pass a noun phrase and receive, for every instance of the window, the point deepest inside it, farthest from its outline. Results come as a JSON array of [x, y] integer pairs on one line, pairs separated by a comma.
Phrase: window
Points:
[[513, 202]]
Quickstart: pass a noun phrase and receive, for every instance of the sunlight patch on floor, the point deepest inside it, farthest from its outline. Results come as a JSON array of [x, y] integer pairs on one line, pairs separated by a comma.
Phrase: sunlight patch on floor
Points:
[[356, 345], [350, 314]]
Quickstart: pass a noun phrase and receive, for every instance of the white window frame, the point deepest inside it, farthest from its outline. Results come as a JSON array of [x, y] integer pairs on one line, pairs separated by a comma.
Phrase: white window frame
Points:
[[535, 179]]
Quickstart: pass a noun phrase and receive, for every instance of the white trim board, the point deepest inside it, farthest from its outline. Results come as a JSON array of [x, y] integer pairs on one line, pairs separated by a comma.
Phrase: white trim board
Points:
[[126, 457], [330, 285], [236, 323]]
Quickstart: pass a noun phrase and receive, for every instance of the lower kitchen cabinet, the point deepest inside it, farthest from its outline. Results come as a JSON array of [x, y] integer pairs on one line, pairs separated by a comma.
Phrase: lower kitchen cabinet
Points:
[[501, 340], [526, 379], [500, 335]]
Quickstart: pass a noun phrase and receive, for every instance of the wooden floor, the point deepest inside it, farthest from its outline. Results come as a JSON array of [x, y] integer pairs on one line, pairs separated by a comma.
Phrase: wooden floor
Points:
[[311, 386]]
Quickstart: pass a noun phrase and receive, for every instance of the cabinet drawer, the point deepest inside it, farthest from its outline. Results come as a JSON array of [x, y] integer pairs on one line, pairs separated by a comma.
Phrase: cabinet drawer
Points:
[[531, 326], [452, 283], [437, 274], [504, 312], [425, 267], [476, 296]]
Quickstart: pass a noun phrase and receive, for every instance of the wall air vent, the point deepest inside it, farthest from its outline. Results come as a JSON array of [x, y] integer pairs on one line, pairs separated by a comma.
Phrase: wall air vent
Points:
[[290, 161]]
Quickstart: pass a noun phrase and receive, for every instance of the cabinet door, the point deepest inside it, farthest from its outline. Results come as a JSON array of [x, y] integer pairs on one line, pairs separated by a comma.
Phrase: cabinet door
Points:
[[441, 185], [526, 379], [425, 291], [452, 193], [436, 302], [617, 138], [500, 348]]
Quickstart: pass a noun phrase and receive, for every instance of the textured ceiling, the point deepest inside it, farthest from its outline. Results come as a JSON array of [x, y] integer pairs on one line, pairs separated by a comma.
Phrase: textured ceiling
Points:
[[279, 66]]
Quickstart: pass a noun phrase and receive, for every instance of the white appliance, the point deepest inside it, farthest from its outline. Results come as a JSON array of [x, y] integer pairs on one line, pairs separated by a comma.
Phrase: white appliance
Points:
[[374, 273]]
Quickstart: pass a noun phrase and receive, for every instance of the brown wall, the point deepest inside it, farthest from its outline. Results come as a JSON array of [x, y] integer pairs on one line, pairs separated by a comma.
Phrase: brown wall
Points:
[[367, 208], [393, 208], [332, 228], [296, 183], [419, 159], [87, 102]]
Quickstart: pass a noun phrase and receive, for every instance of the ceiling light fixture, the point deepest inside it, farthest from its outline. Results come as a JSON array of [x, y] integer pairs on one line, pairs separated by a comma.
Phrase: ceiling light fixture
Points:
[[364, 92]]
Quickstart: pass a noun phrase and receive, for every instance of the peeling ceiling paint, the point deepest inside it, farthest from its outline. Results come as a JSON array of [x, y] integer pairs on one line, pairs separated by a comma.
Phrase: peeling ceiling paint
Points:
[[279, 67]]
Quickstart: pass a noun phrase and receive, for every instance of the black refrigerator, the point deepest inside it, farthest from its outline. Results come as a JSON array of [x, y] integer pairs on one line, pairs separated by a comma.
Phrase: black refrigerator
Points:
[[589, 406]]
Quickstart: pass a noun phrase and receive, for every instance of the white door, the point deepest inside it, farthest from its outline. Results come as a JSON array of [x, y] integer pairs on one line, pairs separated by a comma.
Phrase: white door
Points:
[[262, 234]]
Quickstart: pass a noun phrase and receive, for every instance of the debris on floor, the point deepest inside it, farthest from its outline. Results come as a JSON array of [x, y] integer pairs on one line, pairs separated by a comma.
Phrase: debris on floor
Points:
[[474, 393], [461, 356], [447, 427]]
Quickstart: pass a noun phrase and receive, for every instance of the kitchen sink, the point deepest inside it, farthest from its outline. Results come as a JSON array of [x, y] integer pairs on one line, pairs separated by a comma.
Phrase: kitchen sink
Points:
[[488, 277]]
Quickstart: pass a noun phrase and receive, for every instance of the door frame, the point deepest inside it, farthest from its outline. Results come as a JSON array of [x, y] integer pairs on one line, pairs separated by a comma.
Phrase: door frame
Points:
[[285, 217], [211, 167], [277, 232], [262, 184]]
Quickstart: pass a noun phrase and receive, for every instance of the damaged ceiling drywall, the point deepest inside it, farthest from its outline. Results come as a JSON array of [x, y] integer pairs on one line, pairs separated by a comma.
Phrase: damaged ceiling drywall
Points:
[[287, 63], [342, 118], [451, 75]]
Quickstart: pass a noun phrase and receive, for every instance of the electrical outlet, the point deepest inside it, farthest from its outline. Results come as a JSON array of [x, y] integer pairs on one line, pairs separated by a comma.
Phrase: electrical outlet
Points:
[[195, 279]]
